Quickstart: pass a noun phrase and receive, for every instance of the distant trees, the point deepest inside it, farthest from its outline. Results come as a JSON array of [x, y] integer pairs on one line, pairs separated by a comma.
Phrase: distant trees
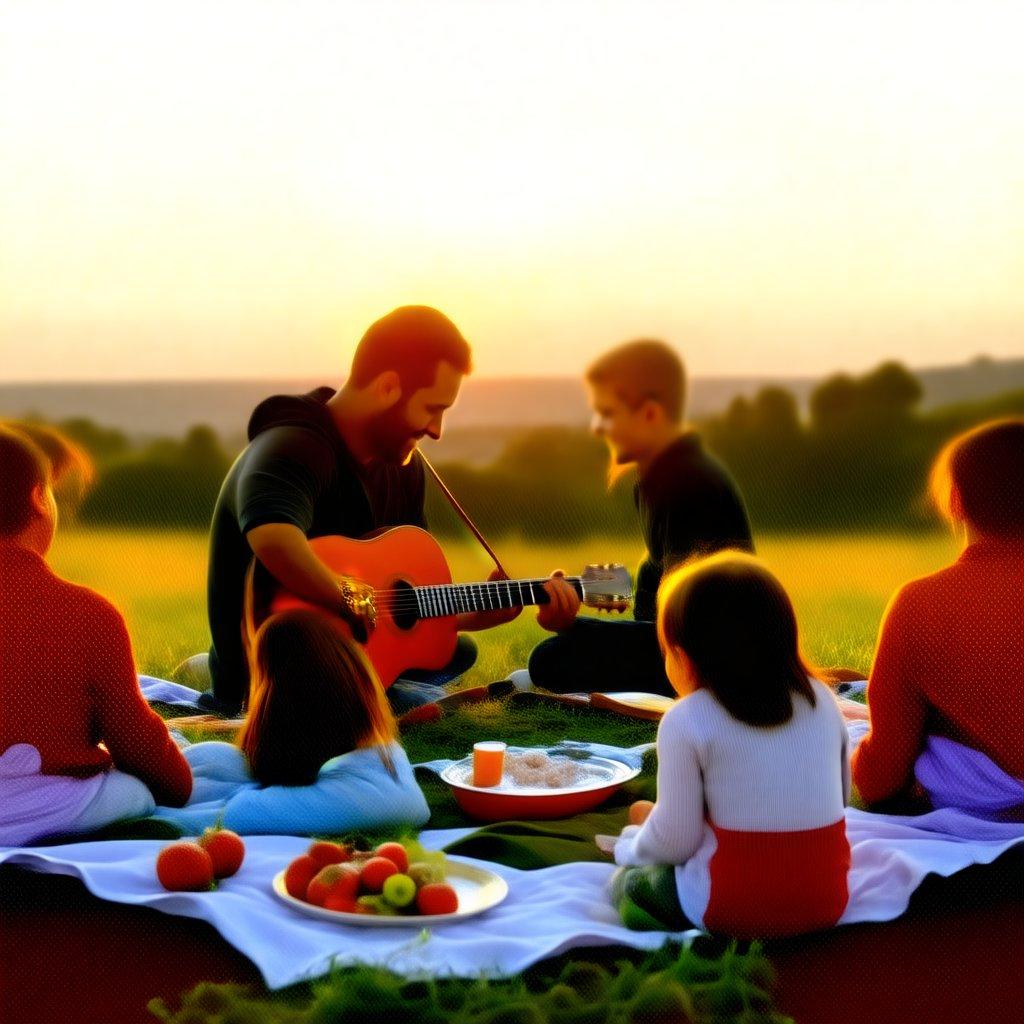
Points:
[[102, 443], [168, 483], [165, 483], [858, 462], [880, 398], [549, 483]]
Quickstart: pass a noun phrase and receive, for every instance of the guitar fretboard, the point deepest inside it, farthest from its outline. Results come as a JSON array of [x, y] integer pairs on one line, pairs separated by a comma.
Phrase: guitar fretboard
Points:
[[455, 598]]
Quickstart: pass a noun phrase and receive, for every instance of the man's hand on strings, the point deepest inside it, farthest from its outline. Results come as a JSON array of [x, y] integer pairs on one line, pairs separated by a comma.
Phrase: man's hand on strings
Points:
[[470, 621], [563, 604]]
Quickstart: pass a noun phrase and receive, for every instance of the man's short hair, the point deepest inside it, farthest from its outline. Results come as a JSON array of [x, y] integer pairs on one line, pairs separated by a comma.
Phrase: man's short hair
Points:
[[23, 467], [643, 370], [412, 341]]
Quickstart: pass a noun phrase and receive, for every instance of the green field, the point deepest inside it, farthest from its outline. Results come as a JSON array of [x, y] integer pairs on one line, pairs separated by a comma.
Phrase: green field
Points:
[[839, 584]]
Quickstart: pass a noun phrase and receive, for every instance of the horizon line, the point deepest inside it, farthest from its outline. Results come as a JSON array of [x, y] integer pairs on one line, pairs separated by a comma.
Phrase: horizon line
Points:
[[753, 375]]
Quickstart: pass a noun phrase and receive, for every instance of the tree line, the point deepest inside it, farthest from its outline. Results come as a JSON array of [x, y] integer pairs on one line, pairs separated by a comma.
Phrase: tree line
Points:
[[859, 460]]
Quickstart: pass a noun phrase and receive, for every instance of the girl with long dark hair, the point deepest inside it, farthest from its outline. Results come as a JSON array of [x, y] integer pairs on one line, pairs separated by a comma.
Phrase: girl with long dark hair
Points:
[[318, 753], [748, 834]]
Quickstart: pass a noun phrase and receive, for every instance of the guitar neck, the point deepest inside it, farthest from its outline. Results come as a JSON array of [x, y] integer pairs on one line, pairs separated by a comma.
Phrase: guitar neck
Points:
[[455, 598]]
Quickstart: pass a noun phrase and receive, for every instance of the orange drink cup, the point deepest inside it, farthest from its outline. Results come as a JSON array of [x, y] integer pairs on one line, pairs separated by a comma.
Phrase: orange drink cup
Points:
[[488, 763]]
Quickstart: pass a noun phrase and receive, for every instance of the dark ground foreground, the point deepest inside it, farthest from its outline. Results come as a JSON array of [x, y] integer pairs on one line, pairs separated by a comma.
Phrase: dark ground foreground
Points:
[[68, 957]]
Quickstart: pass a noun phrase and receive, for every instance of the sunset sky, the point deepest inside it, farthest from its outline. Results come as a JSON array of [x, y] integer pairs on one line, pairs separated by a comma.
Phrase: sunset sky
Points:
[[238, 189]]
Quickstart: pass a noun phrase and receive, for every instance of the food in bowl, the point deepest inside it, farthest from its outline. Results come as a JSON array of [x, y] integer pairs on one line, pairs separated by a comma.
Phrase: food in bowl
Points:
[[538, 785], [536, 769]]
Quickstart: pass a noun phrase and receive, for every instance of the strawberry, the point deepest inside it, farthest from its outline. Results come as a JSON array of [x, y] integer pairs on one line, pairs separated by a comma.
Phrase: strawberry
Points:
[[299, 874], [184, 867], [437, 898], [325, 853], [394, 852], [226, 850], [375, 873]]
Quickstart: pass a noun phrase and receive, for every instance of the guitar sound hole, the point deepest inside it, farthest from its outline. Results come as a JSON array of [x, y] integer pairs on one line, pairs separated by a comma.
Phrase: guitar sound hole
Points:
[[404, 612]]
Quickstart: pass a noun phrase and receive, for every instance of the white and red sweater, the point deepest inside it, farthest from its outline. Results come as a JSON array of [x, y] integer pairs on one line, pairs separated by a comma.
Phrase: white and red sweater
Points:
[[753, 816]]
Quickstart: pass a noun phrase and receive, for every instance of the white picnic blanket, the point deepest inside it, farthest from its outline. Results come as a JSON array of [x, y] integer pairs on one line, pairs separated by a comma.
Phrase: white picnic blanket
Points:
[[890, 855], [547, 910], [287, 946]]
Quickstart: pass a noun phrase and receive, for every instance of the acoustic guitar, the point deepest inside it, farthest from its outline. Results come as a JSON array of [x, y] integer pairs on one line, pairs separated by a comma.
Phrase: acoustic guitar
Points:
[[417, 601]]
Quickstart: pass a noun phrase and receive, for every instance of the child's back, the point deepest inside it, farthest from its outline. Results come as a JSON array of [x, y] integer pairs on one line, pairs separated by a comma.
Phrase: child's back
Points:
[[319, 750], [753, 814], [72, 711], [950, 662], [950, 657], [67, 682], [753, 769]]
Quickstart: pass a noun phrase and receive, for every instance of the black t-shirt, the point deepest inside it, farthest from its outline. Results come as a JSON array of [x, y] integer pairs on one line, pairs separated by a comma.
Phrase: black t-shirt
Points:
[[296, 470], [688, 506]]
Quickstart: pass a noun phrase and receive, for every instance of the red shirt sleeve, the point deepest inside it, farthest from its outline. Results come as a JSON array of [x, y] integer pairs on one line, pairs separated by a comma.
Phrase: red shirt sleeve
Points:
[[133, 733], [883, 763]]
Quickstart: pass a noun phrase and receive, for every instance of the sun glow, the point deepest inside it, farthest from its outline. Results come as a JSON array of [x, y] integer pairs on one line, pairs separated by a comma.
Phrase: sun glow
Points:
[[236, 189]]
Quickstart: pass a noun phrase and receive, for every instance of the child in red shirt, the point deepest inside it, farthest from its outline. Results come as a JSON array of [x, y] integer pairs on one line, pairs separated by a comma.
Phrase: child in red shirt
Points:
[[69, 693], [950, 657]]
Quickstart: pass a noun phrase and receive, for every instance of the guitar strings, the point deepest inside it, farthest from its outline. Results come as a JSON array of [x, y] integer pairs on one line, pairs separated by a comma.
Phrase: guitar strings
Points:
[[402, 598], [406, 598], [442, 594]]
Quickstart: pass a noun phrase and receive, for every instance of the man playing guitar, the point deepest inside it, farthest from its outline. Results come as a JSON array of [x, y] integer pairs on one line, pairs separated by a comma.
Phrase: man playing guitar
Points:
[[340, 463]]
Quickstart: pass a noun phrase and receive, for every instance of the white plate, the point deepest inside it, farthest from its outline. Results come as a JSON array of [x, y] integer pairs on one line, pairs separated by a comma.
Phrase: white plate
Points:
[[478, 890], [609, 773], [645, 701]]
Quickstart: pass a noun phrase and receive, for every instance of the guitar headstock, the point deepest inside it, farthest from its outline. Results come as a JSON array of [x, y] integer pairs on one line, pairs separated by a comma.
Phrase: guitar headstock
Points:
[[606, 587]]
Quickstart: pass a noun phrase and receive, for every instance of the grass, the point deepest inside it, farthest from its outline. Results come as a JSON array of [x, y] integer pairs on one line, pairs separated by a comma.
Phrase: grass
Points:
[[670, 986], [839, 584]]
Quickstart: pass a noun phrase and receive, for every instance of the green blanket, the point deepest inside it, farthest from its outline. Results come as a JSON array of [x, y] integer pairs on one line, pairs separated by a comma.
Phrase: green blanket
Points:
[[541, 844]]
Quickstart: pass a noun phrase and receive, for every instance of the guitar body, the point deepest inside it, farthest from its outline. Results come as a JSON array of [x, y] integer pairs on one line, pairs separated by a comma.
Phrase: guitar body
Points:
[[416, 601], [399, 558]]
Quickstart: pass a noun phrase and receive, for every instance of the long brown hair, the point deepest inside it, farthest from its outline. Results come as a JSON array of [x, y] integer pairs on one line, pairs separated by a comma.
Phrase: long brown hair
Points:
[[314, 695], [734, 621]]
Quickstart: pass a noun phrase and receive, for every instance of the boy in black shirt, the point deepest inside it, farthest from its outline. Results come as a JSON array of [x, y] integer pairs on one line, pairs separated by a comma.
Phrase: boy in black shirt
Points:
[[688, 506]]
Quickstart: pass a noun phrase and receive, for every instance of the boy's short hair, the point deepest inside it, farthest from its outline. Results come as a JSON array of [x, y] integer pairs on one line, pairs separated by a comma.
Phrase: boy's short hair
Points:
[[23, 467], [412, 341], [984, 468], [643, 370]]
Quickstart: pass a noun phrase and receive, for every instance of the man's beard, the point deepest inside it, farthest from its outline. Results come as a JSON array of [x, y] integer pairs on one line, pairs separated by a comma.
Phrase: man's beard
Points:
[[391, 437]]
